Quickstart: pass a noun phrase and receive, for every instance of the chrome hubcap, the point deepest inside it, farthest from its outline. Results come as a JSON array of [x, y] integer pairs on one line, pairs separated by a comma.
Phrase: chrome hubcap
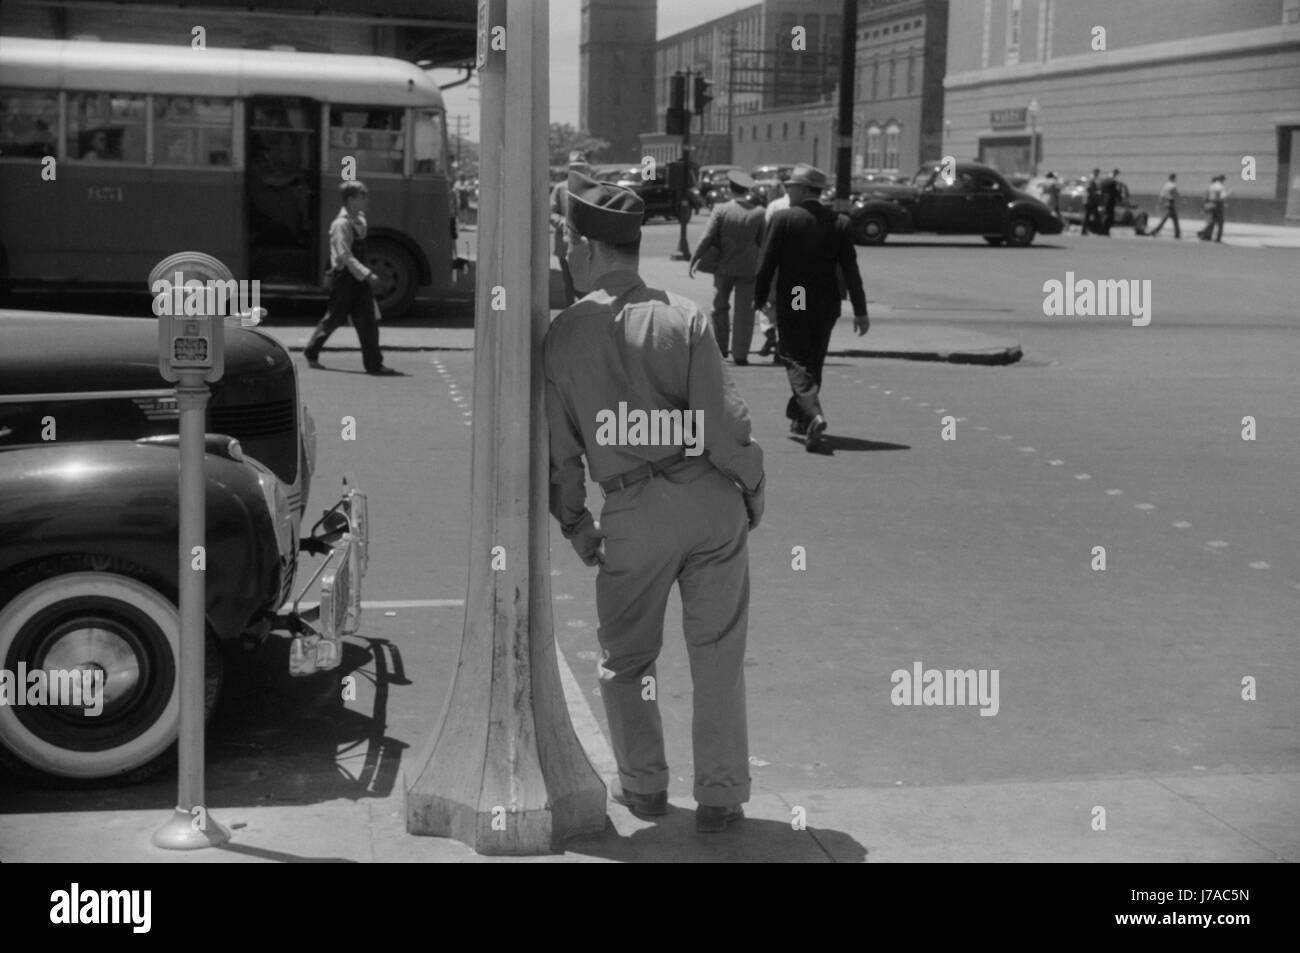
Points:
[[93, 648]]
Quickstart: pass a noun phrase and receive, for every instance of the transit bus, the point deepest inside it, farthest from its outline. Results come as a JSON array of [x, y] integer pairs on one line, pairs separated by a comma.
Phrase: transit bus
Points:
[[113, 155]]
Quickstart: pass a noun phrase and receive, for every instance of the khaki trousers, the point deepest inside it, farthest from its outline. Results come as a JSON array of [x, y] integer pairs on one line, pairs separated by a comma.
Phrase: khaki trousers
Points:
[[686, 526]]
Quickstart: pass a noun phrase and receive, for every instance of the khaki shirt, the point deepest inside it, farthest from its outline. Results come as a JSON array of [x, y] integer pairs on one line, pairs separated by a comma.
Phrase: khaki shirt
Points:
[[652, 350]]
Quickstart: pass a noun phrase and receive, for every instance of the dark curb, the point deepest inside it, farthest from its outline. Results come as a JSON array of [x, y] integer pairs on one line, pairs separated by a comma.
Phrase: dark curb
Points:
[[991, 357]]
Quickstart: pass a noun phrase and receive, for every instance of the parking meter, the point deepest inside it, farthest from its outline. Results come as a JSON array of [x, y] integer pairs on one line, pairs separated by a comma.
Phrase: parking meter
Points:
[[190, 346], [191, 353]]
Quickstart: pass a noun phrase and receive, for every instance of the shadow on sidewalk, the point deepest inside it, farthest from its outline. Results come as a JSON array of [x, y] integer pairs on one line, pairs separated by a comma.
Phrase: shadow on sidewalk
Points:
[[274, 740], [673, 839]]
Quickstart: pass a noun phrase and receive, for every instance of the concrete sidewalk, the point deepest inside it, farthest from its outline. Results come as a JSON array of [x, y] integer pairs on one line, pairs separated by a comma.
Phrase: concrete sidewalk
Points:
[[1179, 819], [1238, 234]]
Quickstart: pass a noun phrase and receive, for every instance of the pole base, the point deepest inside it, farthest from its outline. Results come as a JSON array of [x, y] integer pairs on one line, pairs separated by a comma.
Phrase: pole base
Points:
[[180, 832]]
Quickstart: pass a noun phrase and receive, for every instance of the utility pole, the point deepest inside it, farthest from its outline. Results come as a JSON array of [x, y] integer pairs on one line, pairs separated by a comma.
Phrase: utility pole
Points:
[[848, 59]]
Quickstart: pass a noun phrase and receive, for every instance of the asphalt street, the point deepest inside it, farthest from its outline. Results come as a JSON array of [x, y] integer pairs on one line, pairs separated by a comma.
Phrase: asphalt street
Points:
[[975, 552]]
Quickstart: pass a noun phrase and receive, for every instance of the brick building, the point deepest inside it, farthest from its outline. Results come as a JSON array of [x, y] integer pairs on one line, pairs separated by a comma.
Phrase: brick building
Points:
[[1192, 88]]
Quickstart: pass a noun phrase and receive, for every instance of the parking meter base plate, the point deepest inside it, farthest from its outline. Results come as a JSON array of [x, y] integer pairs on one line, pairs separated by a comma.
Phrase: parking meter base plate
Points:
[[181, 832]]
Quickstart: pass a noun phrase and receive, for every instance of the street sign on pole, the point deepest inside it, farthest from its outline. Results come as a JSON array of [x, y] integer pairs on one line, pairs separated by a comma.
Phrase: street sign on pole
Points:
[[191, 352]]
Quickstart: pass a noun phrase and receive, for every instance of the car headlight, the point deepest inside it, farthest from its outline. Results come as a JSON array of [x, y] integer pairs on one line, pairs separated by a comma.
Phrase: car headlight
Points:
[[309, 438], [277, 505]]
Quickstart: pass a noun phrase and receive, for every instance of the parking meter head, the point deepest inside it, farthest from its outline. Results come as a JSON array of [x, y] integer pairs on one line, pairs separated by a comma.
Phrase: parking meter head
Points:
[[189, 343]]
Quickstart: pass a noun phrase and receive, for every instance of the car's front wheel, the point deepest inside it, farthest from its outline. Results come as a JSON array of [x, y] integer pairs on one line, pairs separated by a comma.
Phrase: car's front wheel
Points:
[[1020, 232], [871, 230], [111, 640]]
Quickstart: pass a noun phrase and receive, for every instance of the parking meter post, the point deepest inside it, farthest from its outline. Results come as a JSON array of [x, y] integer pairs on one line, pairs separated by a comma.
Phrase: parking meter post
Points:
[[190, 352], [503, 770]]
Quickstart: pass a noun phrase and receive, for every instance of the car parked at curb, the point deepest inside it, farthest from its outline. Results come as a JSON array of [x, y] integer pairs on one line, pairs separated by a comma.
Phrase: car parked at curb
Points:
[[89, 525], [714, 186], [974, 200], [1074, 198], [660, 199]]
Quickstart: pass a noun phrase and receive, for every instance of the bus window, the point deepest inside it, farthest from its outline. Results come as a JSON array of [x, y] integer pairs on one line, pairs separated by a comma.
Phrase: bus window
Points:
[[106, 127], [430, 143], [374, 137], [29, 123], [192, 131]]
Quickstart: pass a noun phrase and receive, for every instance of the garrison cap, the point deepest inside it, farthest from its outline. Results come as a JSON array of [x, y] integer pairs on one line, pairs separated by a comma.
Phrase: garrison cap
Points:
[[603, 212]]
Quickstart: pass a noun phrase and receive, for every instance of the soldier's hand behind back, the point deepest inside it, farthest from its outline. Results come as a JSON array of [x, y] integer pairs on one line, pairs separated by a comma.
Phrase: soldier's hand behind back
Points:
[[589, 544], [754, 504]]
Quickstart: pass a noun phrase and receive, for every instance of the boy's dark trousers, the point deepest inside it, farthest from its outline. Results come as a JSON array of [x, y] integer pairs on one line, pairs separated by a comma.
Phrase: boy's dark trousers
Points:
[[349, 297], [1170, 212]]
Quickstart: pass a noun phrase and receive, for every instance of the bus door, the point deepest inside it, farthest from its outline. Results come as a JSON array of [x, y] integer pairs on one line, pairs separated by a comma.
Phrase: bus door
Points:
[[282, 176]]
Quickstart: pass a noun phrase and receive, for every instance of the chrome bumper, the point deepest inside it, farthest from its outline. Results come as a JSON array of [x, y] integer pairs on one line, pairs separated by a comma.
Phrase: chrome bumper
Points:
[[319, 646]]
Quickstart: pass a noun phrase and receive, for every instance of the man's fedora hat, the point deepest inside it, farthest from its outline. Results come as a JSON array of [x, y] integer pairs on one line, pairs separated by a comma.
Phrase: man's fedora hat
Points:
[[810, 176]]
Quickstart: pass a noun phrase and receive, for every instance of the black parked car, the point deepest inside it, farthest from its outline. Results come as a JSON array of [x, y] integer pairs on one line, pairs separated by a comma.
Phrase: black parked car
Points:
[[977, 200], [714, 186], [89, 531]]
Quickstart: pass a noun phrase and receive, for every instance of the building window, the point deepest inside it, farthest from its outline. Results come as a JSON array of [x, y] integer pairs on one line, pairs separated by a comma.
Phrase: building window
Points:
[[875, 79], [873, 148], [753, 133], [893, 76], [912, 62], [891, 146], [740, 133], [1013, 33], [801, 129], [785, 130], [769, 132]]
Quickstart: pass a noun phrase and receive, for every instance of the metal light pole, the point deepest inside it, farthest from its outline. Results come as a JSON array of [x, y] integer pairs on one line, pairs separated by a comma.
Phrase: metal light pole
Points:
[[1032, 109], [683, 252], [848, 56]]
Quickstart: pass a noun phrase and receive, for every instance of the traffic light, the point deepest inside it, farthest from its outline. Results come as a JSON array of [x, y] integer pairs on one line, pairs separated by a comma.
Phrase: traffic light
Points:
[[677, 91], [703, 94], [677, 123]]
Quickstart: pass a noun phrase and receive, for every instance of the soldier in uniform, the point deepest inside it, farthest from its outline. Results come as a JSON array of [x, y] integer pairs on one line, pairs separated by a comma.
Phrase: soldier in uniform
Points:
[[804, 246], [672, 515], [735, 229]]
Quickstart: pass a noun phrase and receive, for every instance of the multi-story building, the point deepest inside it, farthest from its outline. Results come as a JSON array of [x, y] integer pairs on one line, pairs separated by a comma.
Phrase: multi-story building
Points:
[[1161, 86], [898, 98], [774, 53], [616, 57]]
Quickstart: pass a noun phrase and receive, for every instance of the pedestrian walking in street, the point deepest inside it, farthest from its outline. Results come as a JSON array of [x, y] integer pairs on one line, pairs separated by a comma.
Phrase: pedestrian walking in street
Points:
[[1112, 191], [351, 284], [1052, 193], [1092, 205], [734, 234], [1216, 201], [672, 515], [559, 204], [765, 323], [804, 246], [1168, 206]]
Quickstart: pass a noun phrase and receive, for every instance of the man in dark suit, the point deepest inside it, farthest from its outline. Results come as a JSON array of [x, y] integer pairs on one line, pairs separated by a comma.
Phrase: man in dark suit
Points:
[[1112, 190], [804, 247], [1092, 205]]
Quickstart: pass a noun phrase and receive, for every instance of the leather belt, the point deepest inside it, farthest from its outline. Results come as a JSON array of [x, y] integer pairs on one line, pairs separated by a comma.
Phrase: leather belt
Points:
[[642, 473]]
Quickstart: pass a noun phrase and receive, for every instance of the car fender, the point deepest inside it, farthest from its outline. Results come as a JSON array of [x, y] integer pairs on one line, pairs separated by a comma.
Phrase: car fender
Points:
[[120, 500], [900, 217]]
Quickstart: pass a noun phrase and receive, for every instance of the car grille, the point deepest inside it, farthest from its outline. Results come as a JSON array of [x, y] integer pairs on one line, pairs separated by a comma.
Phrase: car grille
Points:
[[268, 432], [253, 420]]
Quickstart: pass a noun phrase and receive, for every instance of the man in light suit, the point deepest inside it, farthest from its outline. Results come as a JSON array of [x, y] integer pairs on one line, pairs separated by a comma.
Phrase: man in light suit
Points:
[[735, 229]]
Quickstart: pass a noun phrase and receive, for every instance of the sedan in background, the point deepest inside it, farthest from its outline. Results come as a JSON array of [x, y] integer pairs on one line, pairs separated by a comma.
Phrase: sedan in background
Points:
[[974, 200]]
